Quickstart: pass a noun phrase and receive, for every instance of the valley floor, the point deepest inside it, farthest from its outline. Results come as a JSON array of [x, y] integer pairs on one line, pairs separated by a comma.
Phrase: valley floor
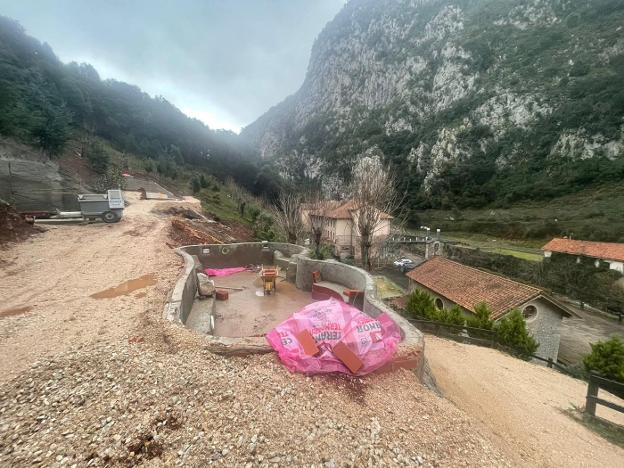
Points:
[[105, 381]]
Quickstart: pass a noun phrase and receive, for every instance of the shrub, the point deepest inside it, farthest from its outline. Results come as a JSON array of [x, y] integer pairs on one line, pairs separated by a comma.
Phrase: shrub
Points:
[[420, 304], [481, 318], [512, 332], [452, 316], [195, 184], [263, 227], [98, 158], [607, 359], [322, 253]]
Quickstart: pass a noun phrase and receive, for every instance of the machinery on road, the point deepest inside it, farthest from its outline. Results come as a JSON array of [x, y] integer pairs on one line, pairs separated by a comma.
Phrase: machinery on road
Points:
[[107, 206]]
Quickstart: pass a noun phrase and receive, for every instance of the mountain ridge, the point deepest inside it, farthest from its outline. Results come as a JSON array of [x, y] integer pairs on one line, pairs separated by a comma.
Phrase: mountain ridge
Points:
[[472, 102]]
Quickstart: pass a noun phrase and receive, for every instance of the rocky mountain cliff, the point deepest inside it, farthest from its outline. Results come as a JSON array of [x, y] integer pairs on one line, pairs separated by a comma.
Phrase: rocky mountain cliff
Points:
[[473, 102]]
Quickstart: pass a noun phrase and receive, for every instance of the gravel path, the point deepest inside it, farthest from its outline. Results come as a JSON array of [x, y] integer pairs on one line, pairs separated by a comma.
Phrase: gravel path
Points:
[[94, 382], [522, 404]]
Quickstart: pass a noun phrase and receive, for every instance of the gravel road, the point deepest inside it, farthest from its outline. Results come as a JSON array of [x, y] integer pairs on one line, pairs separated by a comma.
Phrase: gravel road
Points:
[[95, 382], [522, 404]]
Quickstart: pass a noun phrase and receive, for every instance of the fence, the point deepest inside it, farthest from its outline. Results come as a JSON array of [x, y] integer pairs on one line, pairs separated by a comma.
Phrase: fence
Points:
[[480, 337], [596, 383]]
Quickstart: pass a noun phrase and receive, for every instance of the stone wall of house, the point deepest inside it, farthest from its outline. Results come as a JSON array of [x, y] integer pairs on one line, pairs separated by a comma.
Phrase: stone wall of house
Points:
[[545, 327]]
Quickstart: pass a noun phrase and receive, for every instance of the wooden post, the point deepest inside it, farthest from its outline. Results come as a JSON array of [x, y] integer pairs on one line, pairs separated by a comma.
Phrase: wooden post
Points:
[[592, 393]]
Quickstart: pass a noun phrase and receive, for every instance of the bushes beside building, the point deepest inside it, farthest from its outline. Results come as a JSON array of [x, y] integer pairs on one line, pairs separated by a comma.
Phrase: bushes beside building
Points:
[[607, 359], [511, 332]]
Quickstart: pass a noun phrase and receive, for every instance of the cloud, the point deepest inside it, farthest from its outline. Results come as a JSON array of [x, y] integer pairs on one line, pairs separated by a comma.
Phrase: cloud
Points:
[[223, 62]]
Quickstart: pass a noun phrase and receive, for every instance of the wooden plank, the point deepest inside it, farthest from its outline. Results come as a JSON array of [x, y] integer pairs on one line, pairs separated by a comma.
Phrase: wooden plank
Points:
[[609, 385], [607, 403]]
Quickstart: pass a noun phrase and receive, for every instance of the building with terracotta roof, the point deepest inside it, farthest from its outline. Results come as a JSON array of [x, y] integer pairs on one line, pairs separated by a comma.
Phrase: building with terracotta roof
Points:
[[451, 283], [339, 221], [608, 252]]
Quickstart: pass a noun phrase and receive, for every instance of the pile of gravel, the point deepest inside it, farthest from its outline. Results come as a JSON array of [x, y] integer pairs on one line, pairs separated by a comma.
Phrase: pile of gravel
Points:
[[131, 403]]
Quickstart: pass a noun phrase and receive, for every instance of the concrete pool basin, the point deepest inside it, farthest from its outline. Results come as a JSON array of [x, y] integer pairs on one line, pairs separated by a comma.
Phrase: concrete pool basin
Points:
[[238, 325]]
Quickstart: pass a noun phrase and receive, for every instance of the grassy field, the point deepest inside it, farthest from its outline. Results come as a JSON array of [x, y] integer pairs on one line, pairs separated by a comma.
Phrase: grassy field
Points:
[[592, 214], [526, 249]]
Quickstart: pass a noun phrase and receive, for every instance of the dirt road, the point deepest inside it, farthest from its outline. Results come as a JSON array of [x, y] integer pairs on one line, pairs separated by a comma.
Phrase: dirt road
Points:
[[522, 405], [47, 283]]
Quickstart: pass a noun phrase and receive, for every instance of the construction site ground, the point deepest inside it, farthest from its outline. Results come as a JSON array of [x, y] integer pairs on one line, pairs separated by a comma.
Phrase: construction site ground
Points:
[[91, 375]]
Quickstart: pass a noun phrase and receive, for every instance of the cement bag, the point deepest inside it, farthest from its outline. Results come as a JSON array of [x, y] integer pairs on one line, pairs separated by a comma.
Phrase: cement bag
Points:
[[332, 336]]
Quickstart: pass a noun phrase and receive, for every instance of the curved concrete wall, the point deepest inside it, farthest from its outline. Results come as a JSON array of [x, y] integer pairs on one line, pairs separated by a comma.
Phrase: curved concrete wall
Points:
[[294, 260]]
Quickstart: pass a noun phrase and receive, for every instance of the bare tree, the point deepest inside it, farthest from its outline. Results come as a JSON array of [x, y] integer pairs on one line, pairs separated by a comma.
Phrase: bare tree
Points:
[[374, 201], [288, 216], [315, 212]]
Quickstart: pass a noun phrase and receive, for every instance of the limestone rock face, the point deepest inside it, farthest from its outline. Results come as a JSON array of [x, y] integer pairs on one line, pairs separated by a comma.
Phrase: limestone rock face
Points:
[[439, 86]]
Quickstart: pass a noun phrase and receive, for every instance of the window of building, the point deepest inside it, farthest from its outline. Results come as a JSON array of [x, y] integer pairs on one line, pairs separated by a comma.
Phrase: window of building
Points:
[[529, 312], [439, 304]]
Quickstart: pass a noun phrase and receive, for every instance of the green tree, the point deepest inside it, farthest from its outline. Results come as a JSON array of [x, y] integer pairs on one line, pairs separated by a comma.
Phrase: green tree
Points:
[[195, 184], [607, 359], [98, 158], [452, 316], [481, 318], [512, 332], [421, 305]]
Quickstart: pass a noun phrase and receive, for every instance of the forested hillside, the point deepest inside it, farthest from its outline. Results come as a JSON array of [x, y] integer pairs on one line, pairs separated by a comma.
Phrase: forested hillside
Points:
[[475, 103], [44, 102]]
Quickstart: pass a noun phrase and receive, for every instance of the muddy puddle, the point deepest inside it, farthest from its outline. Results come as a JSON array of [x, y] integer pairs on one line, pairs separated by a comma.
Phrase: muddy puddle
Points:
[[126, 287], [15, 311]]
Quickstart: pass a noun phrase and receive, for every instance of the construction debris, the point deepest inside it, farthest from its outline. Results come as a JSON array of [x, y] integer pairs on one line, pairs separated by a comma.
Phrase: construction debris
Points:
[[13, 227], [187, 234], [127, 404]]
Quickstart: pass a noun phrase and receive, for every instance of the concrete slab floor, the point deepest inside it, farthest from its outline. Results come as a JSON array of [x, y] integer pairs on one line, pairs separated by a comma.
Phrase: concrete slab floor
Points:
[[249, 312]]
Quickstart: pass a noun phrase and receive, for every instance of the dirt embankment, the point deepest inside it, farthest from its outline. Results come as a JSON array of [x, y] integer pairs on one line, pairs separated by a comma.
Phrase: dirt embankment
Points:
[[522, 404], [13, 227]]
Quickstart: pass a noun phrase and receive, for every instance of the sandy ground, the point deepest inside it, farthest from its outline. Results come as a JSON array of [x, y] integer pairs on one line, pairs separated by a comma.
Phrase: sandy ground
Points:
[[51, 277], [522, 405]]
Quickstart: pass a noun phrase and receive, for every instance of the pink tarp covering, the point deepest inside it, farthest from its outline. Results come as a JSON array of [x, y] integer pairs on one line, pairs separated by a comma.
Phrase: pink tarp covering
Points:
[[374, 341], [224, 271]]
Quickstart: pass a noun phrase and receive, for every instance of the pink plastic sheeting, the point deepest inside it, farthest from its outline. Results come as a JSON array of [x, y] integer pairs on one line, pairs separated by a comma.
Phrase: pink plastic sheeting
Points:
[[224, 271], [374, 341]]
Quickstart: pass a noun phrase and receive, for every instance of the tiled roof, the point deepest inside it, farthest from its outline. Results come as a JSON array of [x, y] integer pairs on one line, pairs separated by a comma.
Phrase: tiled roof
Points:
[[605, 250], [342, 210], [467, 286]]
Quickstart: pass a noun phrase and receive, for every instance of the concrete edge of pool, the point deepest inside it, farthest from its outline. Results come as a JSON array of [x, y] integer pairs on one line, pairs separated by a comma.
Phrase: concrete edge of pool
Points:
[[298, 267]]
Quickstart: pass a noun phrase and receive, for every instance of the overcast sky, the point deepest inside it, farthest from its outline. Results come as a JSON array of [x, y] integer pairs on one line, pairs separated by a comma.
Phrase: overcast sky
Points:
[[224, 62]]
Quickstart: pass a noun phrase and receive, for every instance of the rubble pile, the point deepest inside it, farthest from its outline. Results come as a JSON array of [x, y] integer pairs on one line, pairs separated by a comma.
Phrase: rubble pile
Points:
[[131, 403], [13, 227]]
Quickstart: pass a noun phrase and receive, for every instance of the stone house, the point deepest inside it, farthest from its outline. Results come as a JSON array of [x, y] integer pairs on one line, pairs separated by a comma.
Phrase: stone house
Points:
[[608, 252], [451, 283], [340, 227]]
